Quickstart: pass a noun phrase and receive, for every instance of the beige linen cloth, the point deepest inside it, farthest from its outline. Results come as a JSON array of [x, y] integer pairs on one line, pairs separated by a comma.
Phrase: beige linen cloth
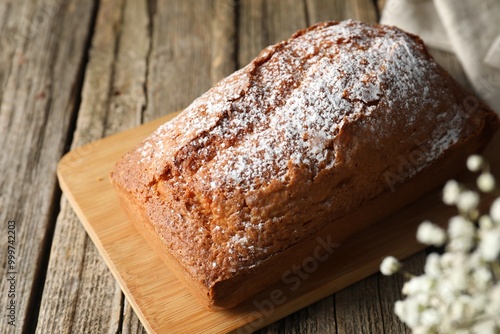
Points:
[[469, 28]]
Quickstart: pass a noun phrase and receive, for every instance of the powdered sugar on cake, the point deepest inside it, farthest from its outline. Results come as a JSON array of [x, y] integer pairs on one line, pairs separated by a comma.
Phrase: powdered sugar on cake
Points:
[[291, 104]]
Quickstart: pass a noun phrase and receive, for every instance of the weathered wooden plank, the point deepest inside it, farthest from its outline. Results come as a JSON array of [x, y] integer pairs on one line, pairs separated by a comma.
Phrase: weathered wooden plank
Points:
[[12, 33], [113, 98], [337, 10], [223, 48], [252, 36], [180, 60], [283, 18], [357, 308], [316, 318], [127, 97], [262, 23], [71, 244], [38, 94], [380, 4], [389, 290], [98, 306], [130, 323], [71, 270]]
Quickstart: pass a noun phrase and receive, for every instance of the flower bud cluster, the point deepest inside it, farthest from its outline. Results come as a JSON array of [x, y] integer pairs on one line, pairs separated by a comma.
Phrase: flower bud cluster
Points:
[[459, 291]]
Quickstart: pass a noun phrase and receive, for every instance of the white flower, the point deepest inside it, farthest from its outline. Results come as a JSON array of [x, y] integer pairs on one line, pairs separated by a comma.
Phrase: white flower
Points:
[[482, 278], [424, 299], [457, 310], [400, 309], [412, 312], [430, 234], [478, 300], [475, 260], [485, 327], [495, 294], [460, 226], [459, 291], [459, 278], [430, 318], [493, 308], [485, 222], [390, 265], [468, 201], [475, 163], [421, 330], [495, 211], [489, 246], [448, 260], [462, 331], [418, 284], [461, 233], [486, 182], [466, 301], [433, 265], [451, 191], [446, 291]]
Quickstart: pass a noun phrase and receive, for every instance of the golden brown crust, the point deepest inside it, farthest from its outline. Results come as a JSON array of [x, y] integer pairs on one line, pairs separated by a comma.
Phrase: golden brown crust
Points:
[[307, 135]]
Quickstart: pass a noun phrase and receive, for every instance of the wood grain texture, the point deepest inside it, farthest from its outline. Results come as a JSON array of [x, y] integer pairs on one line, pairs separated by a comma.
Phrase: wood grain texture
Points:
[[262, 23], [337, 10], [179, 68], [316, 318], [39, 80], [223, 48], [131, 324], [113, 98], [12, 34], [356, 313]]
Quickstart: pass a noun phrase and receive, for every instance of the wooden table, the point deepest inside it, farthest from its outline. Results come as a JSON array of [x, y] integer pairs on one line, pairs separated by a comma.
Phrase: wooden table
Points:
[[72, 72]]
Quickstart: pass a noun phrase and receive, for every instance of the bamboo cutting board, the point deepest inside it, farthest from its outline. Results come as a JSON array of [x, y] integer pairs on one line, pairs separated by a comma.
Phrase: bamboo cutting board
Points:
[[159, 299]]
